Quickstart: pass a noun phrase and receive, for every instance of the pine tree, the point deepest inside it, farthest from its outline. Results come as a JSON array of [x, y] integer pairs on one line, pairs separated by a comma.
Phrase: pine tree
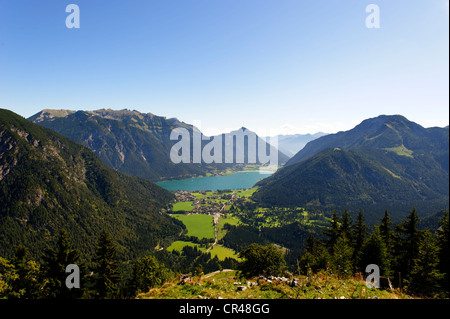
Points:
[[375, 252], [425, 276], [408, 243], [387, 233], [310, 245], [106, 270], [389, 239], [308, 258], [55, 263], [315, 256], [343, 256], [359, 235], [332, 233], [346, 226]]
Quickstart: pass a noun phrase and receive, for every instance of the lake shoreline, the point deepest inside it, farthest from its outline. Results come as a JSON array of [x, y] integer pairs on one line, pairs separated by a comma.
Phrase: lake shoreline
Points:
[[237, 180], [228, 171]]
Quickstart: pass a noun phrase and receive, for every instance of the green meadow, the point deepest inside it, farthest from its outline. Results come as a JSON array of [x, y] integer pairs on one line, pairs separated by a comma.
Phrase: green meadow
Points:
[[183, 206], [226, 219], [202, 196], [223, 252], [246, 192], [217, 250], [201, 226], [179, 244]]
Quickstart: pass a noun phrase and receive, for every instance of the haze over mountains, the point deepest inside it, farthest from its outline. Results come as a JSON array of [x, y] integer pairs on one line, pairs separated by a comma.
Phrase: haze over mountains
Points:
[[291, 144], [385, 162], [132, 142]]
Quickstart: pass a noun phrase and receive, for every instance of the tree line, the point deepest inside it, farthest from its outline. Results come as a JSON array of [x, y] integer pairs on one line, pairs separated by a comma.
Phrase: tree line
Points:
[[101, 278], [415, 260], [104, 276]]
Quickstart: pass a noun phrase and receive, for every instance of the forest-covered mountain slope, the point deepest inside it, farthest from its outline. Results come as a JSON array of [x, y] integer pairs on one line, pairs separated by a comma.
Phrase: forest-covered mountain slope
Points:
[[48, 182]]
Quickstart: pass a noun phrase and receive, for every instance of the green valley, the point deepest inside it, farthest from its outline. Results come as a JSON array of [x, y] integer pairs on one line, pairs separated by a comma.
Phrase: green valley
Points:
[[58, 198], [225, 222]]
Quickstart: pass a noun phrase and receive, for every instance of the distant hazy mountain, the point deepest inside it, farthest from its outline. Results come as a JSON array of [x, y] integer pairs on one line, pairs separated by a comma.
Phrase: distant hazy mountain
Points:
[[48, 182], [291, 144], [132, 142], [386, 162]]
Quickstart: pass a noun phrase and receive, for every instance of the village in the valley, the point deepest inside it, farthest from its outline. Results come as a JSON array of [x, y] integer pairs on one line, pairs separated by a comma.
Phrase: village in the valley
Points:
[[214, 203], [205, 202]]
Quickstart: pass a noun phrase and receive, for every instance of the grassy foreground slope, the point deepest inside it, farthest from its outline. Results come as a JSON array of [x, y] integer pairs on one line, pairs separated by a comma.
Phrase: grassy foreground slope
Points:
[[226, 285]]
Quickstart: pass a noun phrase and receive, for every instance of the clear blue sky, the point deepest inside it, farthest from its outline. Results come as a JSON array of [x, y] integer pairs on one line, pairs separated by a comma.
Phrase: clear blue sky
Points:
[[306, 66]]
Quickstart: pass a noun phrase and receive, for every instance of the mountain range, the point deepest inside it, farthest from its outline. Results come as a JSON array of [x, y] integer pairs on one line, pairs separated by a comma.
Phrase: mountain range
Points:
[[48, 182], [135, 143], [387, 162]]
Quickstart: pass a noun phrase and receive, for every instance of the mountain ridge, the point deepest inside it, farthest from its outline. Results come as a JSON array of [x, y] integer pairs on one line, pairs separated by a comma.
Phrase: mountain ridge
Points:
[[370, 132], [132, 142]]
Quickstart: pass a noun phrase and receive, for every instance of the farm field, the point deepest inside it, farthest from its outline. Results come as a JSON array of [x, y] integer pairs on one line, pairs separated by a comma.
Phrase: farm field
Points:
[[183, 206], [217, 250], [226, 219], [179, 244], [200, 226], [198, 195], [223, 252], [246, 192]]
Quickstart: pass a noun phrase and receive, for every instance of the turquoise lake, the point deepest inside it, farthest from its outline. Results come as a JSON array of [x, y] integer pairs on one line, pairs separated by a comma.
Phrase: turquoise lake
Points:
[[239, 180]]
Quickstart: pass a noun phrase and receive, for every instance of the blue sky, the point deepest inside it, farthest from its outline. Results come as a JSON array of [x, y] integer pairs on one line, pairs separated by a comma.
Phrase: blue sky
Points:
[[297, 66]]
